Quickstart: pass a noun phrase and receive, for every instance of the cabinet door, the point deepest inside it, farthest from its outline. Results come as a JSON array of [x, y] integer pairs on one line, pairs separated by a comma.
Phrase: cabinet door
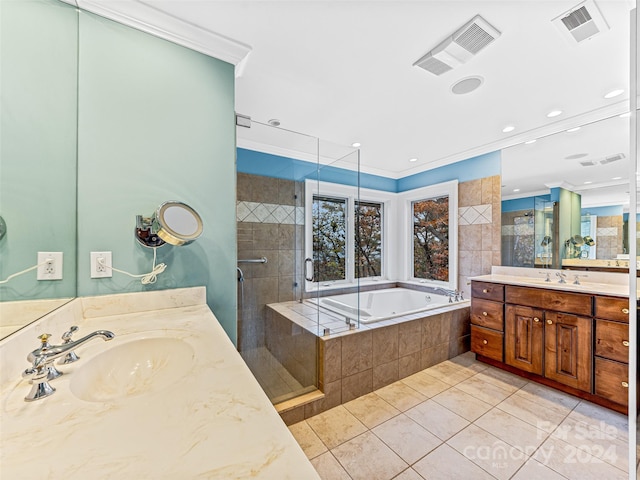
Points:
[[568, 350], [524, 338]]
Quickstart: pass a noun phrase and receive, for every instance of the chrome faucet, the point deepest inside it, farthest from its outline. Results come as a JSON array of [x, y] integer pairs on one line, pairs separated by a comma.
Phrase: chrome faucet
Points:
[[562, 277], [42, 361]]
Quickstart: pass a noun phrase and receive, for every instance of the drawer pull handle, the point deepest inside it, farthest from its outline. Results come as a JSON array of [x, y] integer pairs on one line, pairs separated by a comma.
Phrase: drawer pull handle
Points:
[[484, 342], [484, 313], [625, 384], [549, 322], [536, 319], [625, 311], [485, 290], [625, 343]]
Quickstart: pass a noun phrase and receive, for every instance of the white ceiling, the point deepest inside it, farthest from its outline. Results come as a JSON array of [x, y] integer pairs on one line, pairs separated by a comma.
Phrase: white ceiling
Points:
[[342, 71]]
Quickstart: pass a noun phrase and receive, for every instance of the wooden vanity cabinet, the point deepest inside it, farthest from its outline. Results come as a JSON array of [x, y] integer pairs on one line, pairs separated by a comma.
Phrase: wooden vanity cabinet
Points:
[[550, 341], [611, 379], [575, 342], [567, 350], [487, 320], [524, 340]]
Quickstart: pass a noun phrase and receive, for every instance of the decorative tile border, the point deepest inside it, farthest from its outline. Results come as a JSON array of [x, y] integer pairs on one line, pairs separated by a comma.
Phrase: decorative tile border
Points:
[[607, 232], [253, 212], [475, 215]]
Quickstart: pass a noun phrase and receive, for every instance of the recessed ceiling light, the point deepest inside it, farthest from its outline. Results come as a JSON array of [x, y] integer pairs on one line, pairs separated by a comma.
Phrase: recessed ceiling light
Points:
[[413, 159], [466, 85], [516, 189], [554, 113], [614, 93], [616, 178], [274, 122], [625, 115], [574, 129], [588, 183], [356, 144], [529, 142], [575, 156], [508, 128]]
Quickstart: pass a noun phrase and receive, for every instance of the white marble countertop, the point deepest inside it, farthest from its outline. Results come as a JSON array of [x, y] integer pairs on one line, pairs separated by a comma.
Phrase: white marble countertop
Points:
[[214, 421], [595, 283]]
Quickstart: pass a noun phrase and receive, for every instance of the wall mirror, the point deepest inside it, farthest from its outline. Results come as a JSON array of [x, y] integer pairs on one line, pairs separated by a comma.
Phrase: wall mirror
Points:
[[588, 165], [39, 48]]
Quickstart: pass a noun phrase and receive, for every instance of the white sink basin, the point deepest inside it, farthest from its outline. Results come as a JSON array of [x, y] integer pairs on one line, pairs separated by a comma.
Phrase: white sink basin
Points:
[[134, 368]]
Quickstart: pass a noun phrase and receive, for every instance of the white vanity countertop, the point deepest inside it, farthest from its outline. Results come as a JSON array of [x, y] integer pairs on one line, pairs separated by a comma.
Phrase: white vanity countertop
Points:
[[595, 283], [213, 422]]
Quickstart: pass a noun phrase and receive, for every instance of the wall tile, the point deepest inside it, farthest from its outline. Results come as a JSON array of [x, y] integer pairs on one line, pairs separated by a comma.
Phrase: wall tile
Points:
[[385, 374], [356, 385], [409, 337], [356, 353], [331, 359], [409, 364], [385, 344], [434, 355], [332, 398], [470, 193], [293, 415]]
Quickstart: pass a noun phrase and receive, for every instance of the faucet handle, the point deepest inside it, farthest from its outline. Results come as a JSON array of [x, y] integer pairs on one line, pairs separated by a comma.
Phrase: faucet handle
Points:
[[52, 371], [71, 356], [66, 336], [44, 338]]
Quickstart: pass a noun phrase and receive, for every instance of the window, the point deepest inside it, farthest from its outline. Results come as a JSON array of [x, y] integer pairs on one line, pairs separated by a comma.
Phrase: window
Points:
[[346, 228], [431, 239], [368, 251], [329, 238]]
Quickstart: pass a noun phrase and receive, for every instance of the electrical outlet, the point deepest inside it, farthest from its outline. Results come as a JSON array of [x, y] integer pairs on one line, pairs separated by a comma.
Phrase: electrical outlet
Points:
[[101, 265], [49, 266]]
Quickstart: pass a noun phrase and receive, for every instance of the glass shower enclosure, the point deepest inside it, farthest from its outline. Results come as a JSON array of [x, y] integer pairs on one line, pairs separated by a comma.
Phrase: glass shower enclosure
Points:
[[280, 177]]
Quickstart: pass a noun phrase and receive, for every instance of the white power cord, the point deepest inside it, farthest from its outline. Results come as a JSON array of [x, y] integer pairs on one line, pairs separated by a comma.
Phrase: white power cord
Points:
[[146, 278], [24, 271]]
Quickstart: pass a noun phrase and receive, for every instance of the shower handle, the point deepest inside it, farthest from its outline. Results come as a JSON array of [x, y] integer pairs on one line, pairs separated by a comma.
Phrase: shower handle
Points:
[[307, 261]]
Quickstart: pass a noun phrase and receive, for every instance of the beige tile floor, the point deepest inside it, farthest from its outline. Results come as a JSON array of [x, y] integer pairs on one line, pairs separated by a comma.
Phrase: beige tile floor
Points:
[[462, 419]]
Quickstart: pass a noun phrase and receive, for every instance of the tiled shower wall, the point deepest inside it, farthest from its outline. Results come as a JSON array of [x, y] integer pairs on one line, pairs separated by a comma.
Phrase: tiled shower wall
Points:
[[479, 223], [269, 225], [608, 237], [518, 238]]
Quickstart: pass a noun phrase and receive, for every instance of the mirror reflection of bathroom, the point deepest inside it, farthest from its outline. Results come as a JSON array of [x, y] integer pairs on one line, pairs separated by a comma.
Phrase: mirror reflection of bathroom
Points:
[[576, 184]]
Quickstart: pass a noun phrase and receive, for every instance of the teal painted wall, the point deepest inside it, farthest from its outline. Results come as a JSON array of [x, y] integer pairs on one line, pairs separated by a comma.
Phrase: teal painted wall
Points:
[[38, 51], [156, 123]]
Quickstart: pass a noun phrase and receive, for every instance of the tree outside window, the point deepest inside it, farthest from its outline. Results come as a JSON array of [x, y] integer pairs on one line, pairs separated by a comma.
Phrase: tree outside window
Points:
[[431, 239], [368, 244], [329, 238]]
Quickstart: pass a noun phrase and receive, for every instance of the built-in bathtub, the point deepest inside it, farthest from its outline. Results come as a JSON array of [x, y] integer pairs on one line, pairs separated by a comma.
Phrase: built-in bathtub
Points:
[[376, 305]]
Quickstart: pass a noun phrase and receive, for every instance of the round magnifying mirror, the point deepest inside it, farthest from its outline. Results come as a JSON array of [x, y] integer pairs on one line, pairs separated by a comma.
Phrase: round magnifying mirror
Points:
[[175, 223], [3, 228], [178, 223]]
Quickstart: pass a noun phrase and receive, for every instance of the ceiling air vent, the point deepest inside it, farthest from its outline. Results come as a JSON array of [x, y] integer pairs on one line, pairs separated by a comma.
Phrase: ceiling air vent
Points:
[[588, 163], [581, 23], [465, 43], [612, 158]]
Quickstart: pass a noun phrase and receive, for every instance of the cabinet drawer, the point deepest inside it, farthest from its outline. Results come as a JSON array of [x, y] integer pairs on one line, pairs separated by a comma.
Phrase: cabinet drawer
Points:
[[611, 380], [486, 313], [560, 301], [612, 340], [612, 308], [489, 291], [487, 342]]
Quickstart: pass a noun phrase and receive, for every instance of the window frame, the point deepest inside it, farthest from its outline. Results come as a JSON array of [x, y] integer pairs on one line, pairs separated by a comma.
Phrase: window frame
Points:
[[449, 189], [351, 194]]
